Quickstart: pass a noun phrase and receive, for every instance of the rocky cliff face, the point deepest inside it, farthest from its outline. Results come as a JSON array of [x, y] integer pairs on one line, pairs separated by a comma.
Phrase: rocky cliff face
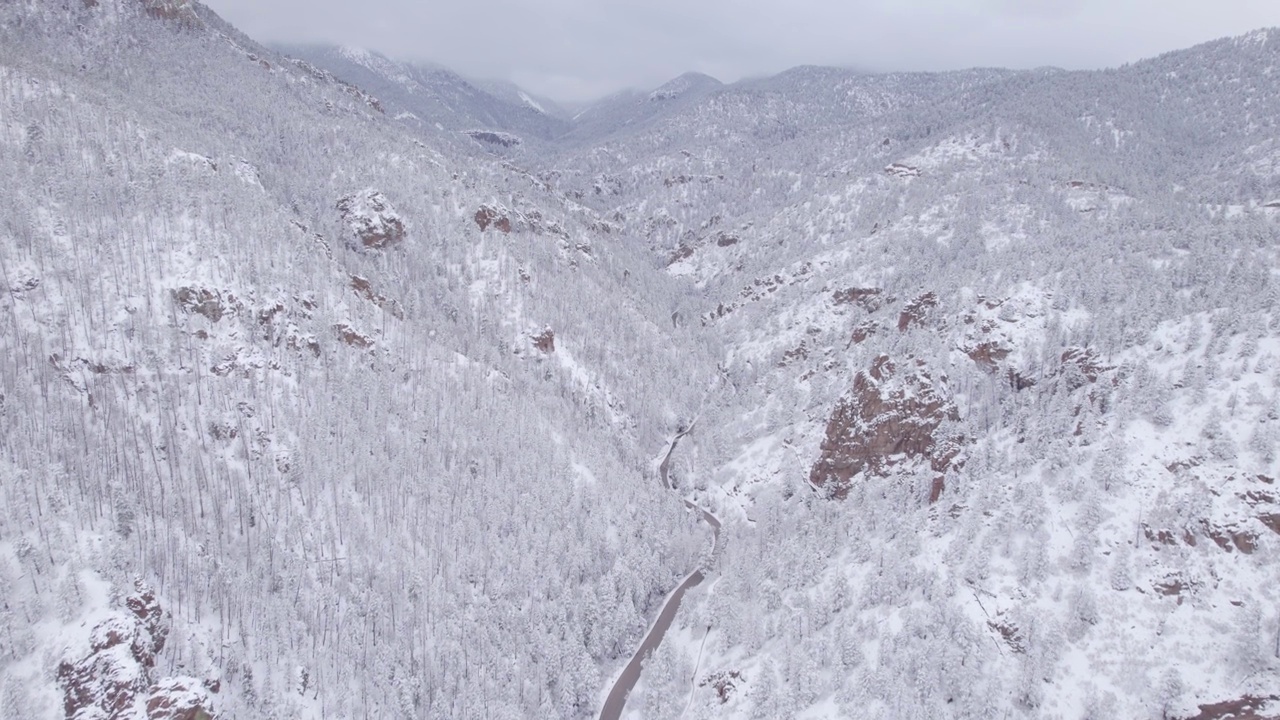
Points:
[[115, 679], [889, 420]]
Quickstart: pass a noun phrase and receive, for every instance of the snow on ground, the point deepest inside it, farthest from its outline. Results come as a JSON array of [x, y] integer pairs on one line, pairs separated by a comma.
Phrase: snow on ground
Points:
[[524, 97]]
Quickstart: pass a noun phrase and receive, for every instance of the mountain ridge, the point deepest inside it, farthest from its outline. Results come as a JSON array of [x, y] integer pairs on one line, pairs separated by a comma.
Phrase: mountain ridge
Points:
[[318, 411]]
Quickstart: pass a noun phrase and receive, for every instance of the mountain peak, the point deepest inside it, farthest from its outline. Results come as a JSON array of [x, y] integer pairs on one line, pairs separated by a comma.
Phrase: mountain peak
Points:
[[355, 54], [683, 84]]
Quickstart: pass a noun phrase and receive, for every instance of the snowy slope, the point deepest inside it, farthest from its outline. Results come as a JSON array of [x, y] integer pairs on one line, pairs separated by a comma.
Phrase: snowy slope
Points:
[[318, 409], [428, 98], [988, 338], [278, 360]]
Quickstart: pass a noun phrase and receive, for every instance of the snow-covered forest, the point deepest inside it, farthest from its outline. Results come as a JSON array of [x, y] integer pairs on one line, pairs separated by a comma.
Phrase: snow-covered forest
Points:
[[336, 387]]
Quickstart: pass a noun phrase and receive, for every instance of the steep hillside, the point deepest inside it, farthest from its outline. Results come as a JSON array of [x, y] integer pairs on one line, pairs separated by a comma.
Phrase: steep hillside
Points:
[[431, 99], [628, 112], [998, 395], [303, 418], [336, 385]]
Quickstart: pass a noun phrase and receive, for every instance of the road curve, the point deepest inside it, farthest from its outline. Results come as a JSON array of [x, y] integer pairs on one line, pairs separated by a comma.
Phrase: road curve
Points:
[[622, 687]]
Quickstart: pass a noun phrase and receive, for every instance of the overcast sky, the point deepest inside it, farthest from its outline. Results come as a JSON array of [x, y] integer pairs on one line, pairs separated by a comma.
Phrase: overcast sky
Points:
[[575, 50]]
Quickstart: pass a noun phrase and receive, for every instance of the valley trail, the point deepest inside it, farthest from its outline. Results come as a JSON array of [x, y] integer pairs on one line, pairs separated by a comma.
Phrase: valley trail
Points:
[[626, 681]]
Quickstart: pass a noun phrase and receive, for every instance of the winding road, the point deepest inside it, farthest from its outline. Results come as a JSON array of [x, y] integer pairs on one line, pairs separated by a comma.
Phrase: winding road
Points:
[[625, 682]]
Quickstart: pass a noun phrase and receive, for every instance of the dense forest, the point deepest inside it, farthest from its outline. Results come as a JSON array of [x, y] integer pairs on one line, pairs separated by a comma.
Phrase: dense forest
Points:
[[338, 388]]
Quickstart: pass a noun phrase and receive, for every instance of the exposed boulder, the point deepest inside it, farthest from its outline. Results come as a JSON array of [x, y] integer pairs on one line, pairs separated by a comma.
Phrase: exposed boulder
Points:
[[373, 221], [795, 355], [179, 698], [686, 179], [203, 301], [682, 252], [353, 337], [724, 239], [1080, 366], [364, 288], [988, 355], [545, 341], [493, 137], [487, 216], [868, 299], [863, 331], [916, 311]]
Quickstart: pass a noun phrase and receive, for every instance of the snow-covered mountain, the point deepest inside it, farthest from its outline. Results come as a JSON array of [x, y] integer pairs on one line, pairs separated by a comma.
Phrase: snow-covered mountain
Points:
[[324, 400], [630, 110], [520, 97], [983, 425], [432, 99], [302, 417]]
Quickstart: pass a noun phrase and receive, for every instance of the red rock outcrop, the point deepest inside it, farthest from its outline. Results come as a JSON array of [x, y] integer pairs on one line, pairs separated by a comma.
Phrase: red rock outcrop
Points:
[[864, 331], [988, 355], [868, 299], [1248, 707], [352, 337], [144, 606], [1080, 366], [545, 341], [889, 418], [348, 88], [179, 698], [202, 301], [113, 675], [487, 216], [372, 219], [113, 682], [1272, 521], [364, 289], [916, 311]]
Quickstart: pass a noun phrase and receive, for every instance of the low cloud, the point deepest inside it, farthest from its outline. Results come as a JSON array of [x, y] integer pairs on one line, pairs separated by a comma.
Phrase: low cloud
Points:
[[577, 50]]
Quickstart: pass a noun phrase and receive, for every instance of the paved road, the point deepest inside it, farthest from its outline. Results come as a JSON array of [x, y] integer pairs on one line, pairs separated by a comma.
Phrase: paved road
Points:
[[622, 687]]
